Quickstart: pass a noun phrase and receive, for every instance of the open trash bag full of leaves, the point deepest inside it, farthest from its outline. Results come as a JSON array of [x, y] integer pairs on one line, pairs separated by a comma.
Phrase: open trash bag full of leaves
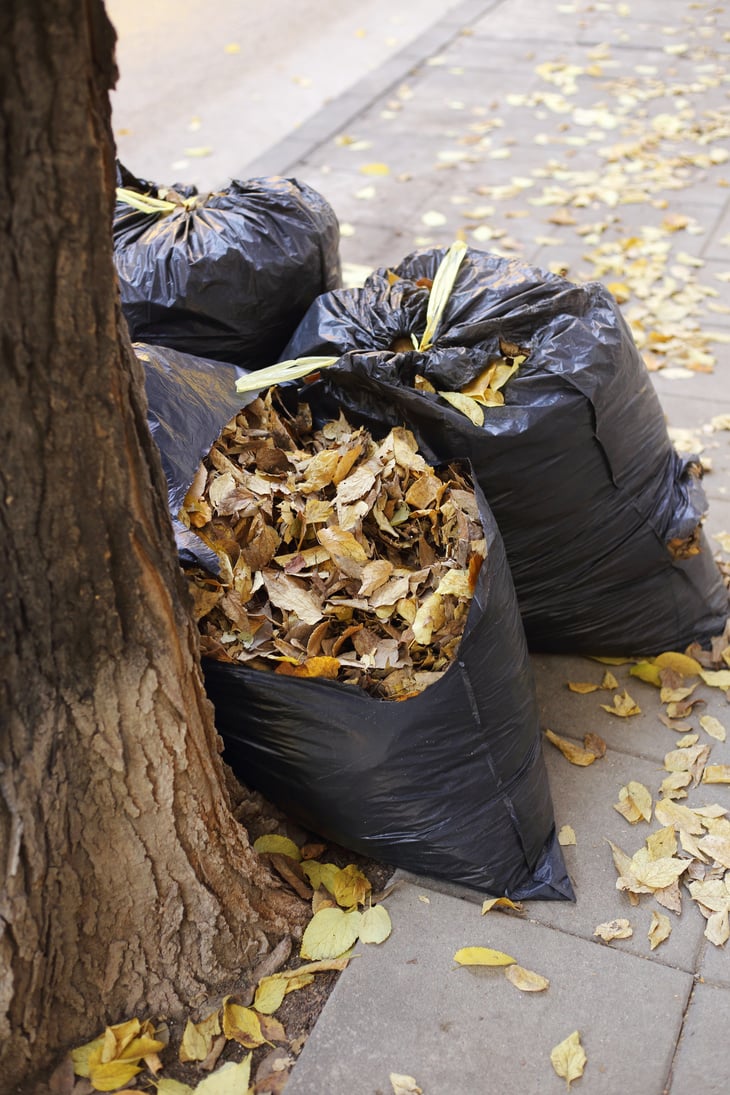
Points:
[[361, 641], [226, 275], [539, 384]]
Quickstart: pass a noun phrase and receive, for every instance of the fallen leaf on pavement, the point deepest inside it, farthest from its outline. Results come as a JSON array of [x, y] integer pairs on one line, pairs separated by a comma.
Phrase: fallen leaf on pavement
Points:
[[634, 802], [330, 933], [573, 752], [375, 924], [623, 706], [659, 929], [566, 836], [404, 1085], [482, 956], [614, 929], [569, 1059], [504, 904], [713, 727], [526, 980]]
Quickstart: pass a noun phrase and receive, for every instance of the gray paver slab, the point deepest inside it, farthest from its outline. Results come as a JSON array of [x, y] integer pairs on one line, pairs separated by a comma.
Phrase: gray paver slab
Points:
[[714, 965], [404, 1007], [700, 1062]]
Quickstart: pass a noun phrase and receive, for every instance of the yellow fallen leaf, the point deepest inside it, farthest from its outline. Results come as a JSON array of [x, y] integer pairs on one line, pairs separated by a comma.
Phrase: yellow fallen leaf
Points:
[[623, 706], [679, 817], [197, 1039], [113, 1074], [82, 1056], [350, 887], [648, 672], [173, 1087], [659, 929], [482, 956], [687, 740], [330, 933], [716, 773], [566, 836], [374, 169], [230, 1079], [429, 617], [242, 1025], [610, 660], [713, 727], [609, 682], [270, 993], [656, 873], [717, 847], [573, 752], [634, 802], [680, 663], [569, 1059], [717, 929], [404, 1085], [501, 903], [466, 405], [375, 925], [672, 786], [526, 980], [662, 843], [583, 687], [279, 845], [320, 874], [676, 695], [716, 678], [619, 928]]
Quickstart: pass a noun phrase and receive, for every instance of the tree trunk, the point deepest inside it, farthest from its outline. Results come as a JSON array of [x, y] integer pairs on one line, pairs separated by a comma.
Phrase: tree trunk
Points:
[[126, 886]]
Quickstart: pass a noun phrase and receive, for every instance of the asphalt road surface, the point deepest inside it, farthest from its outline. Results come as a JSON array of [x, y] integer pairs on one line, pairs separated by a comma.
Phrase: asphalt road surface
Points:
[[204, 89]]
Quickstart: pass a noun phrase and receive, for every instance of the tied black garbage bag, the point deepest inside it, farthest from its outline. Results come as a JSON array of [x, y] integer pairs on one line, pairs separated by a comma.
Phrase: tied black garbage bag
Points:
[[226, 275], [449, 783], [599, 515]]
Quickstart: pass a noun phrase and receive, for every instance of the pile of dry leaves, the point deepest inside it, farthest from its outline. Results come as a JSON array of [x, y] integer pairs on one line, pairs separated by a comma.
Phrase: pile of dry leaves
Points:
[[340, 556]]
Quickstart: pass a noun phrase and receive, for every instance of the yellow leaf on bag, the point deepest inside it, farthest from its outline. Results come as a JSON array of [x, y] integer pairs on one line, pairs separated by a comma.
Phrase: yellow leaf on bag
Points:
[[113, 1074], [330, 933], [659, 929], [680, 663], [482, 956], [566, 836], [573, 752], [526, 980], [583, 687], [619, 928], [242, 1025], [375, 925], [229, 1079], [663, 843], [280, 845], [716, 773], [197, 1039], [646, 671], [569, 1059], [623, 706], [713, 727], [466, 405], [350, 887]]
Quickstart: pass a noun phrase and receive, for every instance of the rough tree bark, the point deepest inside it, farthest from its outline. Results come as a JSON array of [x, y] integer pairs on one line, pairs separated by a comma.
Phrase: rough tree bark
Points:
[[126, 886]]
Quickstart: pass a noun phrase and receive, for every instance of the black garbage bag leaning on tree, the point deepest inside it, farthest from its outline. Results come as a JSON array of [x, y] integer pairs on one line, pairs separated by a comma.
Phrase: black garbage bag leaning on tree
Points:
[[600, 517], [450, 782], [226, 275]]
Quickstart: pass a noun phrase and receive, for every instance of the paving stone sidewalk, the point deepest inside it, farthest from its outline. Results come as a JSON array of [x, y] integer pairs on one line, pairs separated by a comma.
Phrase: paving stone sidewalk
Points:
[[591, 138]]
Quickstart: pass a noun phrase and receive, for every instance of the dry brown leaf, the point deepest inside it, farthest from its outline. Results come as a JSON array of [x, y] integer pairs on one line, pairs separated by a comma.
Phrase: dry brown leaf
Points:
[[634, 802], [716, 773], [713, 727], [717, 929], [594, 743]]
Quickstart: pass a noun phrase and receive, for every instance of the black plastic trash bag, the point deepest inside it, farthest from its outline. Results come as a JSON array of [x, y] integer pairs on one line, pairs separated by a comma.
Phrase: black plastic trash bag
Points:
[[450, 783], [226, 275], [598, 513]]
